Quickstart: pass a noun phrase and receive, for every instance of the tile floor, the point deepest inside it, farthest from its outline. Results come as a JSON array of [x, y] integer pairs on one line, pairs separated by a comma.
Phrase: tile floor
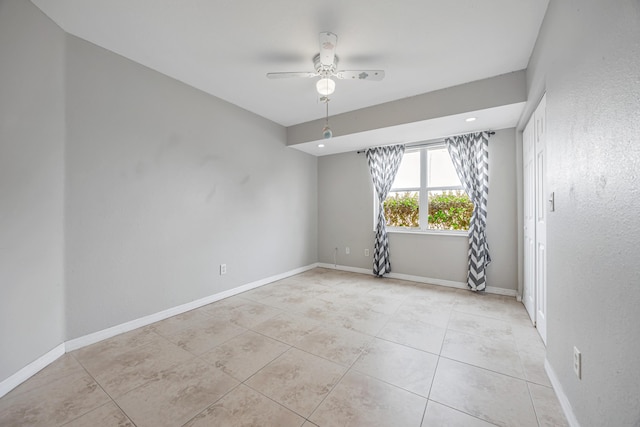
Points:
[[323, 348]]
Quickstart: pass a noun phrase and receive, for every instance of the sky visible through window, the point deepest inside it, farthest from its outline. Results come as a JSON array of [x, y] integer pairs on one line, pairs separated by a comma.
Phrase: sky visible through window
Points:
[[440, 170]]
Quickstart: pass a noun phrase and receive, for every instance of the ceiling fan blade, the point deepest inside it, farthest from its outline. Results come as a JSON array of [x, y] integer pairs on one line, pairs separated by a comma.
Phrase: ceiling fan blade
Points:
[[304, 74], [328, 42], [374, 75]]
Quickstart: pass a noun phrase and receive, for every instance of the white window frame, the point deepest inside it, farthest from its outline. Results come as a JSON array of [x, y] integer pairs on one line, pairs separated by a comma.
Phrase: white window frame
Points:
[[423, 192]]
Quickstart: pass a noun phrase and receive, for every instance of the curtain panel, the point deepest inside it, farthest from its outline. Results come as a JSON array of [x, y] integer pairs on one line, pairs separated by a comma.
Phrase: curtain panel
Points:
[[470, 157], [383, 166]]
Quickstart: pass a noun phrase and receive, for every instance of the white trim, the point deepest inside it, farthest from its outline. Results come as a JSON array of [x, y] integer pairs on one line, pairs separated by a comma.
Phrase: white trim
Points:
[[31, 369], [429, 232], [421, 279], [95, 337], [562, 397]]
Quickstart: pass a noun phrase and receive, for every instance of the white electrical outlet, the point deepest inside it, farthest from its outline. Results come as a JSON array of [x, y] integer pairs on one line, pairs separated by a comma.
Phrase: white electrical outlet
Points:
[[223, 269], [577, 362], [347, 250], [366, 252]]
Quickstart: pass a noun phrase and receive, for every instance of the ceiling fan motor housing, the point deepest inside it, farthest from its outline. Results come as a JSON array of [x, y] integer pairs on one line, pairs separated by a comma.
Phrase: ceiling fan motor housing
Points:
[[324, 70]]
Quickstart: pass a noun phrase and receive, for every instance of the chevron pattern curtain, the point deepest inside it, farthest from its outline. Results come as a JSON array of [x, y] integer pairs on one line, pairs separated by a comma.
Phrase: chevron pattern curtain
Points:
[[470, 157], [383, 166]]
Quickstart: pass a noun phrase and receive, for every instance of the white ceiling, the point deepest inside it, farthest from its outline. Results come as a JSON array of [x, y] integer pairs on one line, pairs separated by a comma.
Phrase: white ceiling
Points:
[[225, 47]]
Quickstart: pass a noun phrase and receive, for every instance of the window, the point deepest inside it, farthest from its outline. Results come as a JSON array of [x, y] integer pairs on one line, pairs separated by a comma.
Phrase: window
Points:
[[427, 194]]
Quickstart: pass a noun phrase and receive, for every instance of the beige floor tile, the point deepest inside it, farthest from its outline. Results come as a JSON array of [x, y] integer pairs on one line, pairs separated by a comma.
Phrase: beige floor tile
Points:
[[251, 314], [496, 398], [416, 334], [63, 367], [54, 403], [297, 380], [547, 406], [288, 303], [344, 295], [132, 369], [360, 400], [391, 288], [355, 284], [494, 306], [432, 313], [293, 286], [329, 277], [108, 415], [181, 321], [481, 326], [438, 415], [331, 316], [336, 344], [286, 327], [434, 292], [527, 335], [381, 304], [532, 353], [202, 336], [399, 365], [222, 310], [495, 355], [108, 349], [245, 354], [321, 310], [360, 320], [176, 395], [246, 407], [258, 294]]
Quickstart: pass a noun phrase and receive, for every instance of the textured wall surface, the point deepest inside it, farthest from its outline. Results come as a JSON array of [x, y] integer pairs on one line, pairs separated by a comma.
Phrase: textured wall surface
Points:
[[31, 185], [587, 58], [345, 218], [165, 183]]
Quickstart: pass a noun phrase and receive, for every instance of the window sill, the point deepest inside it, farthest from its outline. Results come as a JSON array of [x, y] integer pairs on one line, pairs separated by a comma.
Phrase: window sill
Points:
[[429, 232]]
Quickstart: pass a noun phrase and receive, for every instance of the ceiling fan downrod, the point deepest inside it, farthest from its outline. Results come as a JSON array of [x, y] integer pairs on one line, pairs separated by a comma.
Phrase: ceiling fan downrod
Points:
[[326, 130]]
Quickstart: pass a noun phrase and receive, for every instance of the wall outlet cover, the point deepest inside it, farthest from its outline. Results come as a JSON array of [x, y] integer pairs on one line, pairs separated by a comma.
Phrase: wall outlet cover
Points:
[[577, 362]]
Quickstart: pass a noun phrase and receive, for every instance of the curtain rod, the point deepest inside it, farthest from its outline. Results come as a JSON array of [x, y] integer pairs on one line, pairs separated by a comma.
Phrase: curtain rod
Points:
[[421, 144]]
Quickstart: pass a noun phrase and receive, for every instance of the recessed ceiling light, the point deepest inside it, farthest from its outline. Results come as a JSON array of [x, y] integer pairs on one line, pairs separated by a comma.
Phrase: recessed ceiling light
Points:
[[470, 119], [320, 145]]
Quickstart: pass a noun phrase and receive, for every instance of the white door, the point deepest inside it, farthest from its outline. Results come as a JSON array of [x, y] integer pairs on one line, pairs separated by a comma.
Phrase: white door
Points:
[[529, 202], [541, 218]]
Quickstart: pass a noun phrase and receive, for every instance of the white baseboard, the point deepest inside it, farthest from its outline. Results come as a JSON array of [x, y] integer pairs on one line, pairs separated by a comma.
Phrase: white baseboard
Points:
[[562, 398], [95, 337], [31, 369], [420, 279]]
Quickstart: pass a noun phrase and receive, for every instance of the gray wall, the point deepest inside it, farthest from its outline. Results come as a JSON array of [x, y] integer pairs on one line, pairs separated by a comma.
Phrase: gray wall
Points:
[[165, 183], [587, 58], [345, 218], [32, 137], [121, 191]]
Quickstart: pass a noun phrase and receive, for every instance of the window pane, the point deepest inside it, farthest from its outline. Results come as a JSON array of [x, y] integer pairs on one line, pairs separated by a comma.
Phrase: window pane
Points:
[[402, 209], [440, 170], [409, 171], [449, 210]]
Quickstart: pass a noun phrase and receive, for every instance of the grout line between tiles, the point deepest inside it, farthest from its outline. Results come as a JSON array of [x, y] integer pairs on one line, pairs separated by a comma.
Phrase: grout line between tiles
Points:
[[105, 392]]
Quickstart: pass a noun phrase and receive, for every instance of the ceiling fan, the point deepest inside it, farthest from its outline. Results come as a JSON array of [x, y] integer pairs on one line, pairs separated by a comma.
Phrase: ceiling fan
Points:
[[326, 67]]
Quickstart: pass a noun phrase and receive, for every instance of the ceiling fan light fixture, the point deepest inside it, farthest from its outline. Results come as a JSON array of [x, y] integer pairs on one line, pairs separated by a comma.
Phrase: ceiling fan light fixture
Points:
[[325, 86]]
